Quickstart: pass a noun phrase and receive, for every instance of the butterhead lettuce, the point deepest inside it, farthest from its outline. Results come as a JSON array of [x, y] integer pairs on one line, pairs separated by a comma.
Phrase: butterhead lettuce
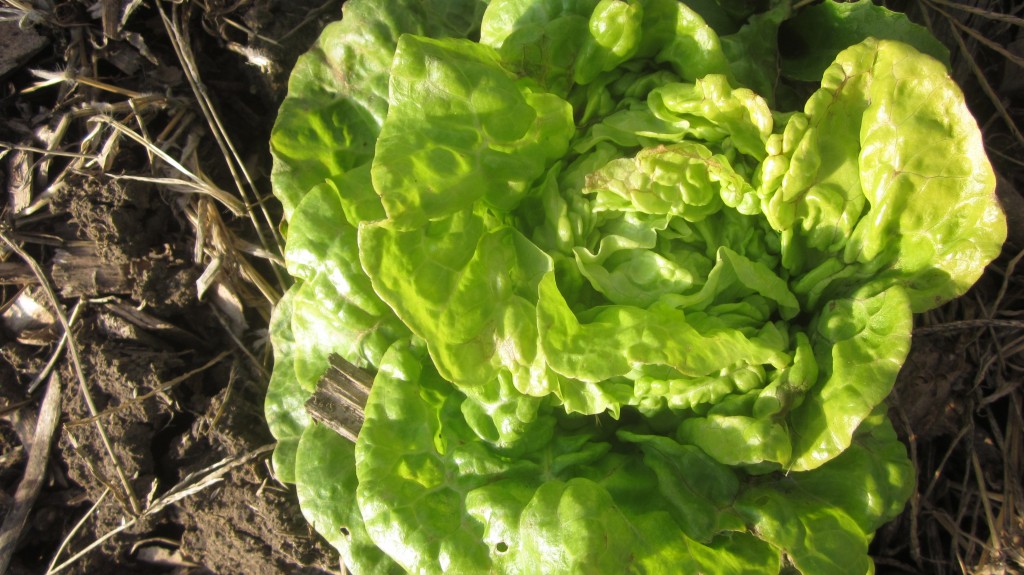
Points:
[[625, 315]]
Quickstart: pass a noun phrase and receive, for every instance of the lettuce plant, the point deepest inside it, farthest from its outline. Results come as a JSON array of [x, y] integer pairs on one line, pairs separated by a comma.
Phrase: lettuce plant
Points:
[[628, 310]]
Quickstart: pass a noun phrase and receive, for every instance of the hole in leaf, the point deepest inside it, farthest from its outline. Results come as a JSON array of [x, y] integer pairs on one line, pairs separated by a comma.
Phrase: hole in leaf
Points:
[[501, 547]]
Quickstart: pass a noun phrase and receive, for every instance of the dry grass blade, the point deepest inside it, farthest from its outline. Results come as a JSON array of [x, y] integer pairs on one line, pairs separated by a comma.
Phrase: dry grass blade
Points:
[[1011, 267], [49, 78], [36, 150], [76, 361], [55, 356], [240, 345], [969, 324], [35, 473], [78, 526], [313, 15], [98, 542], [215, 238], [990, 14], [198, 184], [232, 377], [1015, 59], [227, 200], [24, 12], [182, 47], [993, 529]]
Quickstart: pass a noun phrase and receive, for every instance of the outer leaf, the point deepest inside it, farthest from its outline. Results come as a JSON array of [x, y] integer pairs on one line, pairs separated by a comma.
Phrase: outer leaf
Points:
[[885, 476], [860, 344], [753, 51], [820, 539], [887, 182], [283, 405], [461, 129], [540, 39], [823, 519], [927, 179], [811, 39], [325, 478], [337, 93], [411, 492], [337, 310], [575, 527], [699, 488]]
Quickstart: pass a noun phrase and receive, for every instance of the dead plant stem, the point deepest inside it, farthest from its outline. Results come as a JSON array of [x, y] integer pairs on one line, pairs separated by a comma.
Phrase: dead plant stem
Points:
[[35, 473], [990, 14], [231, 157], [993, 526], [78, 526]]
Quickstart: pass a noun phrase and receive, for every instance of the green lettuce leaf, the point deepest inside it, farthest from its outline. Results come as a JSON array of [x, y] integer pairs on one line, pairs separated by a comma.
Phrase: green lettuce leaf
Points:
[[283, 406], [338, 90], [438, 499], [885, 152], [325, 480], [815, 35]]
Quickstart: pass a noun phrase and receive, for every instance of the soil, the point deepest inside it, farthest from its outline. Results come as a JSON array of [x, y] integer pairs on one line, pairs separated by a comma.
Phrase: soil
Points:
[[161, 461], [191, 490]]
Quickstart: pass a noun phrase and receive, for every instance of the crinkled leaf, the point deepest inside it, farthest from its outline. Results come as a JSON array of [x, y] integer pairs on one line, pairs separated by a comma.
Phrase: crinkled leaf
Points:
[[465, 284], [619, 337], [712, 110], [337, 92], [325, 479], [819, 538], [461, 129], [860, 344], [885, 476], [738, 439]]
